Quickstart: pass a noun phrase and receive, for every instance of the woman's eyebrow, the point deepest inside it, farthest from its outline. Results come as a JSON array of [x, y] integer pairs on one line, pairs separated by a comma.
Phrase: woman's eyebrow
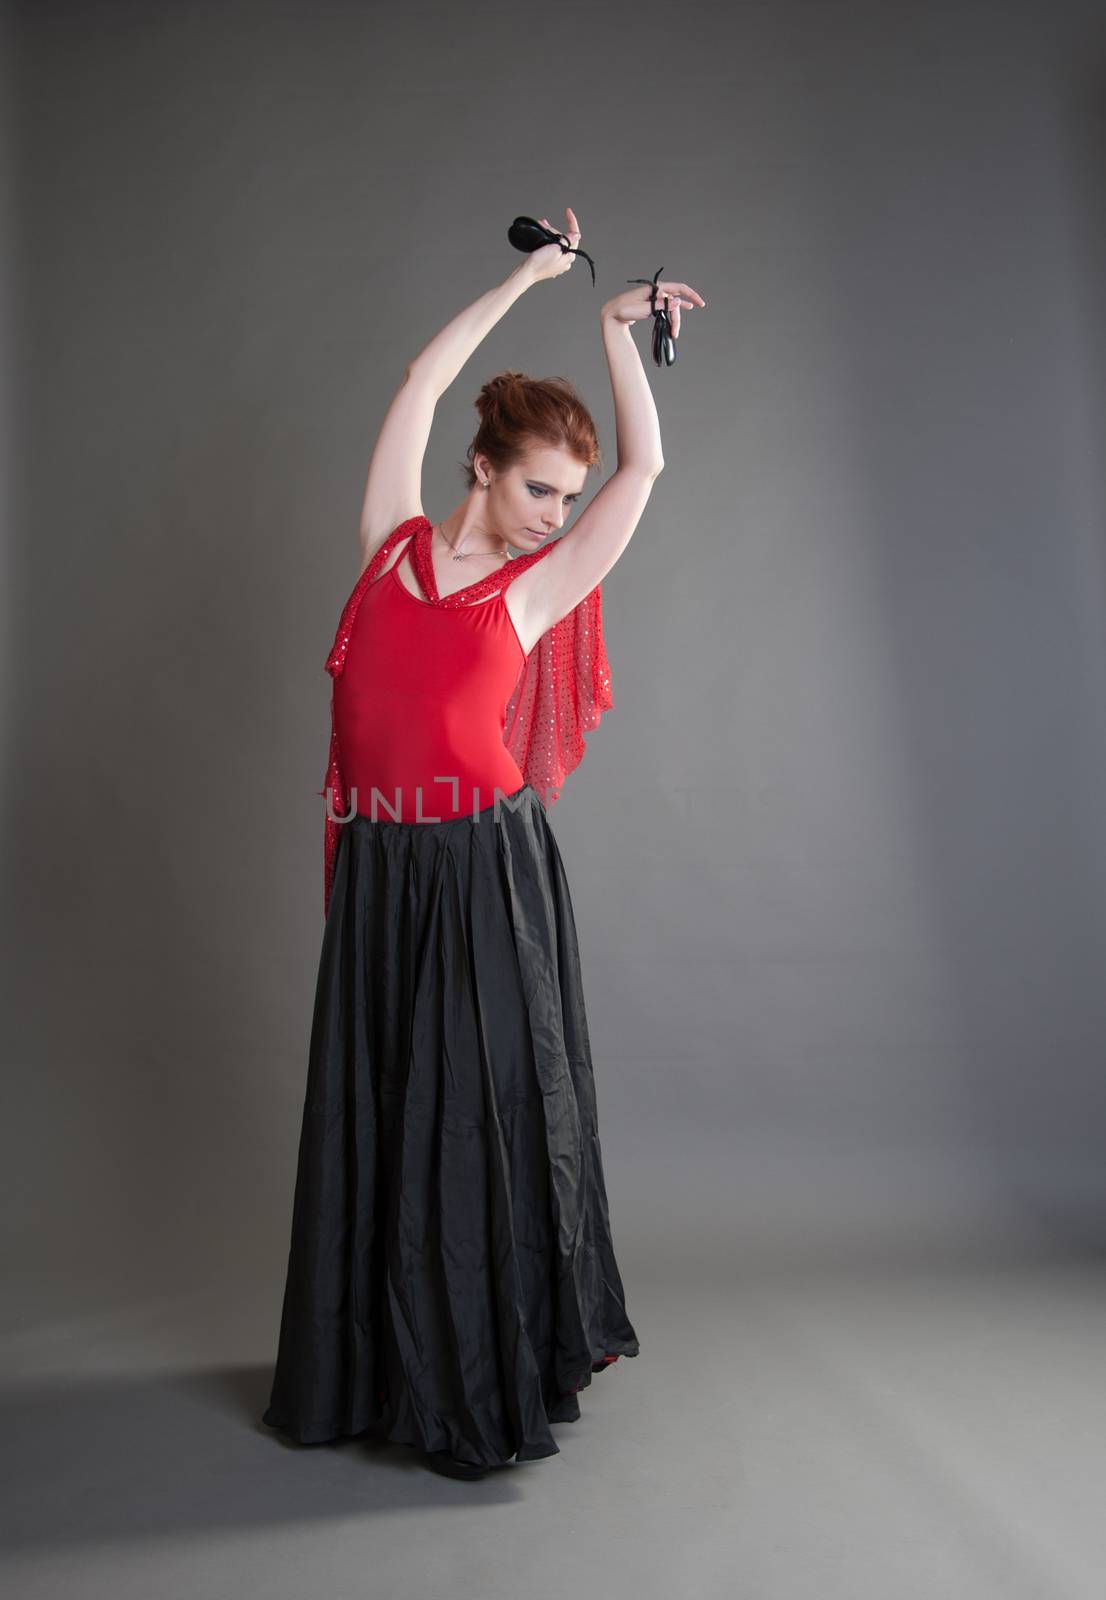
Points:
[[552, 486]]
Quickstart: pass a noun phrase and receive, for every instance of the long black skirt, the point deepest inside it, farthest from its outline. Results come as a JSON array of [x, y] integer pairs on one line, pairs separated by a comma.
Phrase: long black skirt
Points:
[[451, 1281]]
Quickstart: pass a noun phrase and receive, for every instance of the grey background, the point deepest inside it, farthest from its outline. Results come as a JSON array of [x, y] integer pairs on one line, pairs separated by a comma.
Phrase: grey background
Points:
[[836, 854]]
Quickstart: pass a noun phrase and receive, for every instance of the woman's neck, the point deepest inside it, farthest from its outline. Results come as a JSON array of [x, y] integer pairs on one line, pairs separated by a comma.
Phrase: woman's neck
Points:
[[460, 547]]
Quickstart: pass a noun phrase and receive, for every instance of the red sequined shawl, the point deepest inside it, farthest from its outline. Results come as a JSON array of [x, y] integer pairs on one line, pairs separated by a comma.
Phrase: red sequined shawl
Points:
[[564, 685]]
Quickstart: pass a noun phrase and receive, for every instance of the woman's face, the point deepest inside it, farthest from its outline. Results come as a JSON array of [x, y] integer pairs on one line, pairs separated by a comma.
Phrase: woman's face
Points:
[[529, 503]]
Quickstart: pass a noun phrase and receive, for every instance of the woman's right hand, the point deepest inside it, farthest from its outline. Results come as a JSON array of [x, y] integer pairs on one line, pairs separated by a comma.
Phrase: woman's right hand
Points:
[[549, 260], [633, 304]]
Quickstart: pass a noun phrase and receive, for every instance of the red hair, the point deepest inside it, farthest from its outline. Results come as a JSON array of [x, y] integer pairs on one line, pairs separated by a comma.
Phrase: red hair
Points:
[[517, 412]]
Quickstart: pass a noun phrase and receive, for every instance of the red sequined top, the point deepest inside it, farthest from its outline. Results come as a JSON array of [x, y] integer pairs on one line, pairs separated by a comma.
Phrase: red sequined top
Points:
[[430, 696]]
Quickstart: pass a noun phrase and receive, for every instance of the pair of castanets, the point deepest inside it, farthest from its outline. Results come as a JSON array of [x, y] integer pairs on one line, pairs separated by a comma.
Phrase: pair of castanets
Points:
[[526, 235]]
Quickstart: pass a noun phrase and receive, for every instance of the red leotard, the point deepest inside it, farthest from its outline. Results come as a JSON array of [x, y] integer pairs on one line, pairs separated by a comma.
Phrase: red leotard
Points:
[[421, 706], [424, 699]]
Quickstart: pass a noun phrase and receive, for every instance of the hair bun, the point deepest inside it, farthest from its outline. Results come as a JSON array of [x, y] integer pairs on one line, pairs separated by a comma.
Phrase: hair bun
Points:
[[497, 390], [517, 411]]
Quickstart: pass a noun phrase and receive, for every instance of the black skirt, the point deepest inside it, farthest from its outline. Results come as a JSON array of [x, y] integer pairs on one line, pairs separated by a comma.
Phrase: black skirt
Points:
[[451, 1279]]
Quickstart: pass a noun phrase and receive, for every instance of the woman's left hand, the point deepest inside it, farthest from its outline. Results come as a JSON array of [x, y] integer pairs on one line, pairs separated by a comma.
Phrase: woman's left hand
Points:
[[633, 304]]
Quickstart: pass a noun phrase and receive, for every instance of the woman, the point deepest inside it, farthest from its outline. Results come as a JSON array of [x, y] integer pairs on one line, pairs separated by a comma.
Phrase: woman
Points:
[[451, 1277]]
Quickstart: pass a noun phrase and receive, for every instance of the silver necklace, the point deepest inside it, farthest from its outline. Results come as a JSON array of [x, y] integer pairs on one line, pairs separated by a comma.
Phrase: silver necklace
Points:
[[464, 555]]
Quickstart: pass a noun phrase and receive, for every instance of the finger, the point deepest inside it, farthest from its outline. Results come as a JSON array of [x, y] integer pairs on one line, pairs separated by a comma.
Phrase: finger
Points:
[[684, 289]]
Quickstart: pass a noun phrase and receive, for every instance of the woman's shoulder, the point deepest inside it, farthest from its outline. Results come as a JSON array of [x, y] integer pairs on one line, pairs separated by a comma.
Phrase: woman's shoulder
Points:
[[375, 546], [522, 572]]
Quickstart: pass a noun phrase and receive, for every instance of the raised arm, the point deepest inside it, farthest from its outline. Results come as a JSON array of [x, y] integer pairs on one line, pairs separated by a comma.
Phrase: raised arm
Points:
[[393, 490], [584, 555]]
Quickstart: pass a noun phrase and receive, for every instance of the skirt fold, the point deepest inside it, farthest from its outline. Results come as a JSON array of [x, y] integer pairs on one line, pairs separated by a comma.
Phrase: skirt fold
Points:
[[451, 1275]]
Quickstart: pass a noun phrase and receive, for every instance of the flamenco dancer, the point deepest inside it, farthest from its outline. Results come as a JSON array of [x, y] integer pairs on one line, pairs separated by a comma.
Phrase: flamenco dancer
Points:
[[451, 1280]]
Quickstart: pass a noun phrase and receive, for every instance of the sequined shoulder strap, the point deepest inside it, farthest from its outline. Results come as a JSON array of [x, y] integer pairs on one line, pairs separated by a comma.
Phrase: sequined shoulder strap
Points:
[[336, 660], [493, 583]]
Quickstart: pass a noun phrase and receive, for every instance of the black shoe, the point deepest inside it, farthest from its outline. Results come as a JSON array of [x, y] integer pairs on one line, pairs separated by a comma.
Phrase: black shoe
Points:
[[441, 1461]]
